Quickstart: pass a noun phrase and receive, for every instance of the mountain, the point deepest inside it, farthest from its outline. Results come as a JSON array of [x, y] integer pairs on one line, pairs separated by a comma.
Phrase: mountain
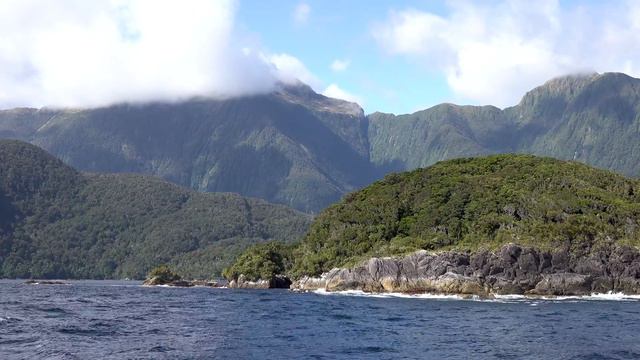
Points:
[[444, 131], [304, 150], [593, 118], [58, 223], [293, 146], [485, 225]]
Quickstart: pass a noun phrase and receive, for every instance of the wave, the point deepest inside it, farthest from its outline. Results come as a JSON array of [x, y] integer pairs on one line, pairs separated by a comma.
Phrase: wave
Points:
[[392, 295], [610, 296]]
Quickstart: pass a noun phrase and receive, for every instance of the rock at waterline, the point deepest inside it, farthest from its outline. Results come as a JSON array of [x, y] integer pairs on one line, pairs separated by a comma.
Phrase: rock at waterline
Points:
[[276, 282], [45, 282], [511, 270], [158, 281]]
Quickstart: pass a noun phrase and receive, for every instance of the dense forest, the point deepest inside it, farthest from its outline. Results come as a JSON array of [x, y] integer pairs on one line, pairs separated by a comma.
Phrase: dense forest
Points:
[[470, 204], [58, 223], [305, 150]]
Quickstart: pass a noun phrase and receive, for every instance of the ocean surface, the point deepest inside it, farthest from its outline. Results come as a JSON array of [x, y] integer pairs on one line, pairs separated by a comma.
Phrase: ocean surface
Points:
[[123, 320]]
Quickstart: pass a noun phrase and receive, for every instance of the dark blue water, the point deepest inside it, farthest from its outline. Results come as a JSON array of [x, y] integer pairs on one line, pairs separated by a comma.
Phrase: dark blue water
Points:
[[122, 320]]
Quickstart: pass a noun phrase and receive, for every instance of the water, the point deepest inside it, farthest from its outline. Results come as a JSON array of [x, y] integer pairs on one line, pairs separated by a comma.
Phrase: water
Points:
[[122, 320]]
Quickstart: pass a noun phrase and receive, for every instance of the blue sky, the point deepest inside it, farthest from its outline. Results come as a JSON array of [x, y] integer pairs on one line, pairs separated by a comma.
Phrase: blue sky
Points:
[[391, 56], [342, 31], [405, 81]]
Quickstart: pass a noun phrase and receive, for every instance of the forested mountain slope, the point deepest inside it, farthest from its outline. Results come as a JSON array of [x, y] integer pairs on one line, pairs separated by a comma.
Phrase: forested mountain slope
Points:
[[304, 150], [293, 146], [58, 223]]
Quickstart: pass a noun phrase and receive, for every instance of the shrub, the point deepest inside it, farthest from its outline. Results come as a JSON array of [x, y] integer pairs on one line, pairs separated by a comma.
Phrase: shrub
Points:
[[164, 274], [261, 261]]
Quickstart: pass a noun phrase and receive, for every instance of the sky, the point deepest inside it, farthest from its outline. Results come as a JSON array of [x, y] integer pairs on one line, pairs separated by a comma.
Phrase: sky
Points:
[[389, 56]]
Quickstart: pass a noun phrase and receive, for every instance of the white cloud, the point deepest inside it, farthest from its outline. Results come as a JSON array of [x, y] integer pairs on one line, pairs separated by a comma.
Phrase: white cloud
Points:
[[289, 69], [301, 13], [91, 53], [495, 53], [334, 91], [340, 65]]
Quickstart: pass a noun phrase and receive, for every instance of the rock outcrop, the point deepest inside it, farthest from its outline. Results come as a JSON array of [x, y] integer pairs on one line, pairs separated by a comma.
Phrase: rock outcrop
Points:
[[276, 282], [511, 270], [46, 282], [157, 281]]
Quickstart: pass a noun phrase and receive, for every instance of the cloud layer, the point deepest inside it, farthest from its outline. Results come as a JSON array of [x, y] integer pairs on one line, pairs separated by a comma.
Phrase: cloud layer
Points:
[[334, 91], [91, 53], [494, 52]]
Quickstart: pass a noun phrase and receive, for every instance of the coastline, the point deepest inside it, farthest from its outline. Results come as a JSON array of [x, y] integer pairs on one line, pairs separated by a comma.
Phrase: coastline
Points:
[[512, 270], [493, 298]]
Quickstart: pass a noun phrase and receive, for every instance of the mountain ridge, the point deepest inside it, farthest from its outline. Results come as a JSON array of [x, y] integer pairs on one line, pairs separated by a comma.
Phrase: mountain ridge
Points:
[[542, 123], [302, 149]]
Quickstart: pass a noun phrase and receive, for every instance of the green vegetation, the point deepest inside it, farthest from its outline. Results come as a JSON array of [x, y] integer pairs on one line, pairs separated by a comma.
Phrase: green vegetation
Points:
[[469, 204], [591, 118], [261, 261], [163, 274], [476, 203], [298, 148], [58, 223], [292, 147]]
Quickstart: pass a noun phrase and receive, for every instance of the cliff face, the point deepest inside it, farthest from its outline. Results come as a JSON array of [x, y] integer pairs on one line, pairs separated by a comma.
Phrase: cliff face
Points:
[[511, 270]]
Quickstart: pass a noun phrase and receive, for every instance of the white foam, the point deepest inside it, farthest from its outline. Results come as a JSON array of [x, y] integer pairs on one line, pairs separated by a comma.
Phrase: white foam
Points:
[[533, 300], [388, 295], [610, 296]]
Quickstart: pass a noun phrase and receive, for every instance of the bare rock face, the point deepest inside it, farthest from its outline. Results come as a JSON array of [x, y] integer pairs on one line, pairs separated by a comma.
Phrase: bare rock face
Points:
[[511, 270], [276, 282], [564, 284]]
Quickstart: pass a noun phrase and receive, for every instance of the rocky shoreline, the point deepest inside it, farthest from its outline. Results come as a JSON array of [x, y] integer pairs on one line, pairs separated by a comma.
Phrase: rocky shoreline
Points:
[[45, 282], [513, 270], [276, 282], [155, 281]]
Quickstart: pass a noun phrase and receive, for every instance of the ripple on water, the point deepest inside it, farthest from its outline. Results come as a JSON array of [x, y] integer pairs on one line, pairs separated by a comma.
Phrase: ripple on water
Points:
[[394, 319], [95, 322], [341, 316], [161, 349], [76, 330], [19, 341], [368, 350], [9, 320]]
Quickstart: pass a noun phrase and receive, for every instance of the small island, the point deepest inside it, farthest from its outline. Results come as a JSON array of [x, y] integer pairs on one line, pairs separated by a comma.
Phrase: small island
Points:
[[164, 276], [503, 224], [45, 282], [261, 267]]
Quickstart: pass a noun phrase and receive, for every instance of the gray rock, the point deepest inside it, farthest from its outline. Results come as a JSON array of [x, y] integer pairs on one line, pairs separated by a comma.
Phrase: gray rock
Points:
[[46, 282], [563, 284], [157, 281], [511, 270], [276, 282]]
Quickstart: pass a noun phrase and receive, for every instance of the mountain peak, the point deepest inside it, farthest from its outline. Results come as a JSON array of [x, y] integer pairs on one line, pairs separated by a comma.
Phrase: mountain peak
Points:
[[302, 94], [563, 86]]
